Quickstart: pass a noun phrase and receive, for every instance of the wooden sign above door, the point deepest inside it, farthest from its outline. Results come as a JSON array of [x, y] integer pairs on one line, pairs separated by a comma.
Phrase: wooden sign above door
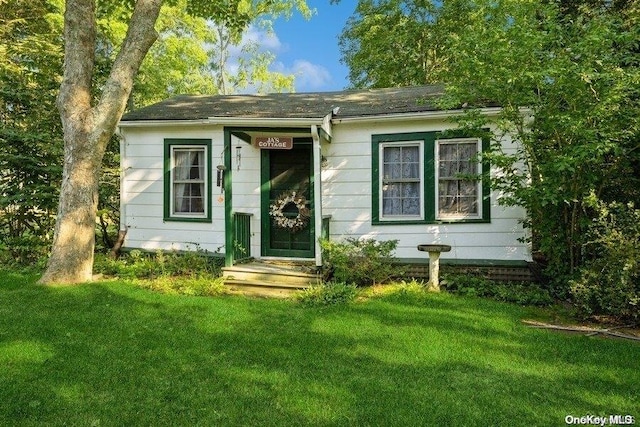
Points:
[[274, 142]]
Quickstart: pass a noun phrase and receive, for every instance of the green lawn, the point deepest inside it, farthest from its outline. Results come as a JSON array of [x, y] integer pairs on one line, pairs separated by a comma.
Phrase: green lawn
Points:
[[113, 354]]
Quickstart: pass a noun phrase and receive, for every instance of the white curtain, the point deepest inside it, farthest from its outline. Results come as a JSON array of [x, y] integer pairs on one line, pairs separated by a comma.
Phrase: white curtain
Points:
[[457, 170], [401, 181], [188, 178]]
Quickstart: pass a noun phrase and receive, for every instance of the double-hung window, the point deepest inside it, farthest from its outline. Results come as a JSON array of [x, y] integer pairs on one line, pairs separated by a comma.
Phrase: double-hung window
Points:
[[459, 191], [429, 177], [402, 183], [187, 180]]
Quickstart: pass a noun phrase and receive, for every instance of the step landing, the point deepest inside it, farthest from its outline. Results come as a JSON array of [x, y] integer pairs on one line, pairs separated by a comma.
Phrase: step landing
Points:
[[272, 279]]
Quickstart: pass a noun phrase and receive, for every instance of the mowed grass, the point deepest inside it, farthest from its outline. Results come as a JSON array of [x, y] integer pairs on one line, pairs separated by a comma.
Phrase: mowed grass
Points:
[[112, 353]]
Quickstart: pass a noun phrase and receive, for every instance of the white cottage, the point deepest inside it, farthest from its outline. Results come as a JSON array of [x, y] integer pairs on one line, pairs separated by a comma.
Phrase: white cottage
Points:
[[265, 176]]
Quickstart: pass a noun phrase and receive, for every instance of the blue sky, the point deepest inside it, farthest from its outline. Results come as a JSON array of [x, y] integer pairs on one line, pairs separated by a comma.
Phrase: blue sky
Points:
[[309, 49]]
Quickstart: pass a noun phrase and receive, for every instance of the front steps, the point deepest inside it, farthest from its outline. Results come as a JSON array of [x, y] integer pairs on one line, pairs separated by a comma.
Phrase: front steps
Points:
[[270, 279]]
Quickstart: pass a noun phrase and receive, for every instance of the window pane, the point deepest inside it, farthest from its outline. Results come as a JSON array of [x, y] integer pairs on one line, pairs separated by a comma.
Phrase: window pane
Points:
[[410, 162], [188, 175], [458, 184], [447, 205], [467, 159], [392, 165], [392, 154], [401, 180], [391, 202], [401, 199], [411, 198], [181, 162]]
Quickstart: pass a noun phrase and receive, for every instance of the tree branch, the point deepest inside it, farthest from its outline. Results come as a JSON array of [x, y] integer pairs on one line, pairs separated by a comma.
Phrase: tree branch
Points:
[[141, 35], [583, 329], [74, 98]]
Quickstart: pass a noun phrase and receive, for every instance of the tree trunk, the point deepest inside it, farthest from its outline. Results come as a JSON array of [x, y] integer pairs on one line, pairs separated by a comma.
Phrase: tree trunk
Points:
[[87, 129], [71, 259]]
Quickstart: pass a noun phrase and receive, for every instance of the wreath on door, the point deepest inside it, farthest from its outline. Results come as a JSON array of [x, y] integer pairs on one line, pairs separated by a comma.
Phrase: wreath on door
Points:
[[281, 220]]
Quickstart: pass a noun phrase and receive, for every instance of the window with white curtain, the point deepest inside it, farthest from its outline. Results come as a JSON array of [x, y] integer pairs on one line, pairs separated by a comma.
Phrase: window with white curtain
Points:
[[459, 181], [402, 184], [188, 181]]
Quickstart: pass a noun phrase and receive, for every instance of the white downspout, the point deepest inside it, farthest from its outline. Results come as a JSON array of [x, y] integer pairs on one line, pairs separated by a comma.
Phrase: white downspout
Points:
[[123, 170], [317, 193]]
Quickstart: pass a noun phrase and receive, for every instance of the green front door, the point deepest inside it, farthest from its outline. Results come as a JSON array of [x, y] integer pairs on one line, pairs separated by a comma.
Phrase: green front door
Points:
[[287, 202]]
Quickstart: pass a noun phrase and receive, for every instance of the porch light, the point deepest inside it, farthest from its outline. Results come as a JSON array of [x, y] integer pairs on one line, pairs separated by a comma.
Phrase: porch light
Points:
[[238, 156]]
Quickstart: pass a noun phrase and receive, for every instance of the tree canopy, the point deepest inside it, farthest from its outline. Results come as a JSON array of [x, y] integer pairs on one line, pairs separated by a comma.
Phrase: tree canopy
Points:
[[183, 59], [573, 65]]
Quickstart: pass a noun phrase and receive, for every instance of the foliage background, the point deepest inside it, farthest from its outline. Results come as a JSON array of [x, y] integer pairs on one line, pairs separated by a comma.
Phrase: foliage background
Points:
[[190, 56], [573, 65]]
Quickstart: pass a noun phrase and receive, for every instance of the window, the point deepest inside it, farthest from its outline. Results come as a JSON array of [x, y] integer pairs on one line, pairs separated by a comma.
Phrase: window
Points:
[[401, 190], [459, 179], [187, 180], [429, 177]]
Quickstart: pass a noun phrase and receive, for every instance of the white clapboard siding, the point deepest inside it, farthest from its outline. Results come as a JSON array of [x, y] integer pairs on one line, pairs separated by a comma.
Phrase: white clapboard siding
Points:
[[142, 191], [347, 199], [346, 195]]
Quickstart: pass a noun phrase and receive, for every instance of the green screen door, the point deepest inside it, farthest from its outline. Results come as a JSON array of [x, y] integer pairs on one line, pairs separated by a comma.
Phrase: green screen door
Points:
[[287, 222]]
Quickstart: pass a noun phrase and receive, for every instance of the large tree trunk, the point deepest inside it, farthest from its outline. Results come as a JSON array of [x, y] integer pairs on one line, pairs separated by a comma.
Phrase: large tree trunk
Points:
[[71, 259], [87, 130]]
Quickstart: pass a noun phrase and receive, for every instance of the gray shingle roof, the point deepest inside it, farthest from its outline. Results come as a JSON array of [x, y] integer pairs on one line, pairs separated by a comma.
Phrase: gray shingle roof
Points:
[[352, 103]]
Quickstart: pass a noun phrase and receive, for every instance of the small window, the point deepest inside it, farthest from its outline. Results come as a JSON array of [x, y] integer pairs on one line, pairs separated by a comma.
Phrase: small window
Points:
[[401, 178], [187, 180], [459, 189]]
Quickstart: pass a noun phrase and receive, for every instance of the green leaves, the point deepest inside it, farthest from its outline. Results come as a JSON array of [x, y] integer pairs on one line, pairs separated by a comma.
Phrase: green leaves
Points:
[[573, 66]]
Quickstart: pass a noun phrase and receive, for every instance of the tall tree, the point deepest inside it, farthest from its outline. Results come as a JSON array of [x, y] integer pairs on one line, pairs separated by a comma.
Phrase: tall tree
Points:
[[574, 64], [30, 130], [384, 33], [88, 125], [88, 128]]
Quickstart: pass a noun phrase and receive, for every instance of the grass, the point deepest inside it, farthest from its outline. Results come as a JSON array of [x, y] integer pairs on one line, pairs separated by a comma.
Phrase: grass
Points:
[[112, 353]]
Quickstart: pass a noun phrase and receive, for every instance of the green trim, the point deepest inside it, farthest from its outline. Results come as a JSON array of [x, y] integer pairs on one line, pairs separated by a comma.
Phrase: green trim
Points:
[[228, 196], [265, 220], [428, 139], [238, 131], [243, 136], [324, 135], [485, 136], [486, 180], [430, 185], [264, 201], [171, 142]]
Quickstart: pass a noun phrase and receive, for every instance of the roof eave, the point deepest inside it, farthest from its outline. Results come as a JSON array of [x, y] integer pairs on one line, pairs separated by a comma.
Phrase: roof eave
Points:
[[228, 121], [432, 114], [266, 121], [153, 123]]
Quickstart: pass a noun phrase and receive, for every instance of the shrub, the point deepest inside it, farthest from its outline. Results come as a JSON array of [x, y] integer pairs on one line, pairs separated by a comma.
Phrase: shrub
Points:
[[328, 293], [519, 293], [26, 250], [609, 283], [411, 292], [142, 265], [197, 286], [360, 261]]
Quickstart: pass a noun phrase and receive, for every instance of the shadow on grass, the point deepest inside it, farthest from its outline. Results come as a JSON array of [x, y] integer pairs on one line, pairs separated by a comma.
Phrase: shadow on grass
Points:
[[112, 354]]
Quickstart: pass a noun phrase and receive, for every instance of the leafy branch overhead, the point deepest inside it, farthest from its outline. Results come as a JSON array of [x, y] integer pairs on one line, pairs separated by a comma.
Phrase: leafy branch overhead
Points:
[[573, 66], [96, 85]]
